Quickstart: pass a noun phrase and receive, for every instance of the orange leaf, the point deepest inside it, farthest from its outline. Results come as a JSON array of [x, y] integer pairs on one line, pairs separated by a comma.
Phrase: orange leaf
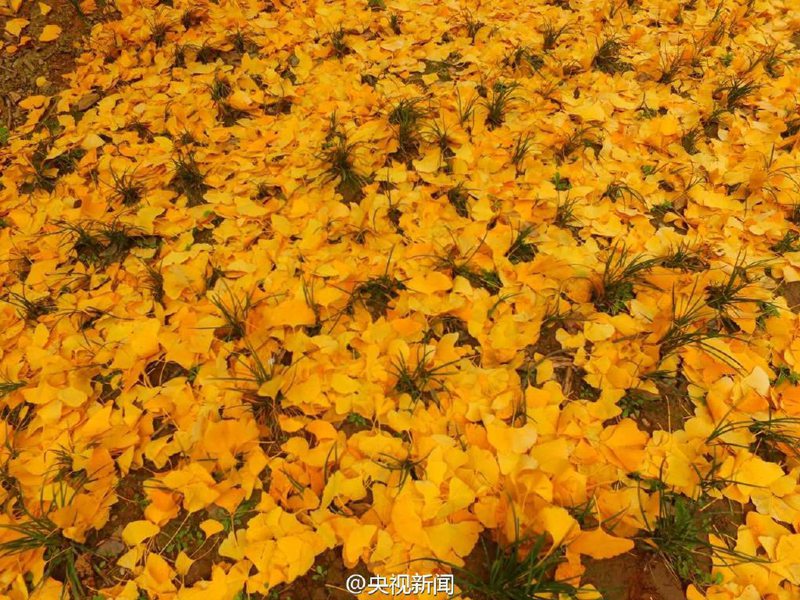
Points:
[[599, 544], [50, 33]]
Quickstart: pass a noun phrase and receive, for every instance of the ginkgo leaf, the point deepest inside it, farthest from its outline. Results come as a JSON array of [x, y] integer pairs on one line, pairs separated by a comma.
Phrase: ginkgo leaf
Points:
[[15, 26], [50, 33], [600, 545], [136, 532]]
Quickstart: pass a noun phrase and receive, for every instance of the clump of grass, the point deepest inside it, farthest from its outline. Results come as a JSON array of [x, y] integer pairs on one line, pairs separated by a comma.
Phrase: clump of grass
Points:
[[618, 189], [772, 60], [670, 64], [258, 370], [718, 27], [562, 184], [406, 467], [712, 122], [620, 274], [407, 116], [472, 25], [484, 278], [266, 407], [339, 156], [220, 90], [466, 109], [555, 318], [179, 56], [523, 55], [265, 190], [444, 68], [679, 535], [234, 311], [792, 128], [771, 434], [18, 418], [101, 244], [127, 189], [30, 310], [189, 179], [438, 133], [607, 57], [155, 282], [7, 387], [794, 214], [46, 171], [738, 90], [689, 326], [191, 18], [522, 147], [521, 250], [766, 310], [565, 214], [207, 53], [226, 114], [308, 296], [241, 42], [786, 375], [478, 278], [645, 111], [64, 471], [690, 139], [338, 43], [444, 324], [524, 569], [551, 35], [684, 258], [660, 211], [422, 382], [376, 293], [499, 101], [790, 242], [582, 137], [725, 297], [458, 197], [39, 532], [158, 32]]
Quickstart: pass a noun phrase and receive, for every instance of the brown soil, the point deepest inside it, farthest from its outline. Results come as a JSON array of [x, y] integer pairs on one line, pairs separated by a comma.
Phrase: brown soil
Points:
[[183, 534], [791, 291], [107, 543], [52, 60], [633, 576], [669, 409]]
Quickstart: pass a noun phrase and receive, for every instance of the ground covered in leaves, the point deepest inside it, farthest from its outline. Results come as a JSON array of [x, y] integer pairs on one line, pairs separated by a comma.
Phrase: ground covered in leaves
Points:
[[296, 290]]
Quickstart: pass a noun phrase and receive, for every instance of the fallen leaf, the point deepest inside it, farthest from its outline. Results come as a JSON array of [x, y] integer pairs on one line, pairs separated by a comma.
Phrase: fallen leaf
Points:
[[50, 33]]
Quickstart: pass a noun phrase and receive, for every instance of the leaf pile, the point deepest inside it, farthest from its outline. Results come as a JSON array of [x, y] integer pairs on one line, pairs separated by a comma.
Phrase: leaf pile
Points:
[[387, 278]]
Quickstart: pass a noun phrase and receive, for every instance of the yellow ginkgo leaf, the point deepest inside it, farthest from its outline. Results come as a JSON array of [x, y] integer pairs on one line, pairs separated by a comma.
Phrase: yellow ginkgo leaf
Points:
[[136, 532], [50, 33], [600, 545], [183, 563], [210, 527], [15, 26]]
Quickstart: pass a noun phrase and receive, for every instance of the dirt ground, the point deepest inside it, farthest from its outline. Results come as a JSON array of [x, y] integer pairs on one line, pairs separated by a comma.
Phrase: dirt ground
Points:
[[22, 65], [633, 576]]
